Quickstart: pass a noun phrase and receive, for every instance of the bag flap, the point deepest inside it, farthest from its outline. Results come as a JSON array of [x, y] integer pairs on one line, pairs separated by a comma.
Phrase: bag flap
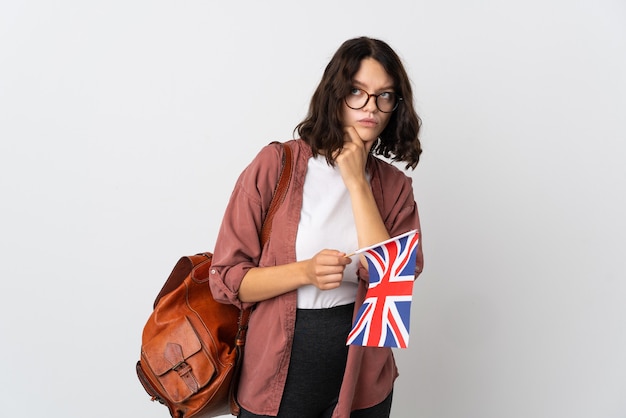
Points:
[[171, 347]]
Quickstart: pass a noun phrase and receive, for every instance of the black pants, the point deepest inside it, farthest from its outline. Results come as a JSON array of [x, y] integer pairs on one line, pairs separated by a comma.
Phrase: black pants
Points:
[[318, 361]]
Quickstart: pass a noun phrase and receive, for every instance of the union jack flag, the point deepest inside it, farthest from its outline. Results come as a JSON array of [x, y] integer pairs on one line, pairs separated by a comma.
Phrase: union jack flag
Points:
[[383, 319]]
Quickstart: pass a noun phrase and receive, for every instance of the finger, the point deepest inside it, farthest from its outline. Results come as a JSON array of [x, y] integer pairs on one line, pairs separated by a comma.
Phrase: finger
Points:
[[327, 269], [352, 134], [331, 253], [330, 285], [339, 260], [330, 278]]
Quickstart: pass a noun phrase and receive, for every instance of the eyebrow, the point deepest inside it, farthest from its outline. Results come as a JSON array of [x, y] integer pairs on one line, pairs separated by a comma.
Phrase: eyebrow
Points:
[[357, 83]]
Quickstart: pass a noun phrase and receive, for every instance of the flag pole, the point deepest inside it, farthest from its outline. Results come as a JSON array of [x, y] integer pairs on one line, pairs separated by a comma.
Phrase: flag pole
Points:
[[361, 250]]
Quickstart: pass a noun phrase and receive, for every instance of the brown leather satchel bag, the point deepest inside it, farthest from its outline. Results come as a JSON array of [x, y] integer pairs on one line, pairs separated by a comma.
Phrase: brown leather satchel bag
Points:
[[192, 345]]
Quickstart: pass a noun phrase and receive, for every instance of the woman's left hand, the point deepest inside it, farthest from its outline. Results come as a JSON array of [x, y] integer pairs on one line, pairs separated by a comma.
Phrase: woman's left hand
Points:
[[351, 159]]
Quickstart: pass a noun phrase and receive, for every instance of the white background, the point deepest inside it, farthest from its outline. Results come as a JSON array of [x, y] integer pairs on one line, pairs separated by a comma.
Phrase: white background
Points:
[[124, 125]]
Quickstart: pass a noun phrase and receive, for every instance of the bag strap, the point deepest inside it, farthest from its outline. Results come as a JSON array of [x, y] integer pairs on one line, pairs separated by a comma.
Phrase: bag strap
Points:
[[266, 229], [279, 193]]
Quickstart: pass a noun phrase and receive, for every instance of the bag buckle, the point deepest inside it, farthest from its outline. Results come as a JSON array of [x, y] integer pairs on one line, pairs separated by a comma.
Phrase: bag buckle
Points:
[[174, 353], [182, 368]]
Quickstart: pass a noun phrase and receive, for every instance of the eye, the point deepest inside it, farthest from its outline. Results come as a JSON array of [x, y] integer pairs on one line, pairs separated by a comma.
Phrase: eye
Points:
[[387, 95], [356, 92]]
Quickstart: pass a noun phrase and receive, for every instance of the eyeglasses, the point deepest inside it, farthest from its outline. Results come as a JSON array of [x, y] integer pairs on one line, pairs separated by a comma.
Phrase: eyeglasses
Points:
[[386, 101]]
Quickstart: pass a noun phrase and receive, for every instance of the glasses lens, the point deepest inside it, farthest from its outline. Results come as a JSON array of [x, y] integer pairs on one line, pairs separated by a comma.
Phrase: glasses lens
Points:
[[356, 99], [386, 102]]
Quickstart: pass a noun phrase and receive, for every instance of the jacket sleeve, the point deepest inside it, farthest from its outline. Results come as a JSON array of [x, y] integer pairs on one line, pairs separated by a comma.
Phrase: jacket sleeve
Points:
[[238, 246]]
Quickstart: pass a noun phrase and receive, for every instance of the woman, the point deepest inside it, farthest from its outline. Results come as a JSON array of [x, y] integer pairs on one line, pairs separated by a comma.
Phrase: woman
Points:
[[304, 289]]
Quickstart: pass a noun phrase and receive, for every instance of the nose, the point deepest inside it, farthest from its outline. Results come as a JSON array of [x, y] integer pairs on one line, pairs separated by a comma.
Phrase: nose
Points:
[[370, 104]]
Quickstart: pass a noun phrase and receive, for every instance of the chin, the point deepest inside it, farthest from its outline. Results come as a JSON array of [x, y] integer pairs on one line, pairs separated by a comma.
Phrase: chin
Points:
[[367, 136], [369, 139]]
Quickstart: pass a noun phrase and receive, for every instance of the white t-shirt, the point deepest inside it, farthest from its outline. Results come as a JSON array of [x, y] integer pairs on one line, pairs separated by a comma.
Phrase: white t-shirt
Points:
[[326, 221]]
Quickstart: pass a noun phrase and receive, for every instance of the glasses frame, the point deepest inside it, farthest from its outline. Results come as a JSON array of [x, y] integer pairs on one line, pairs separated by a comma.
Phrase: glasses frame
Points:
[[375, 96]]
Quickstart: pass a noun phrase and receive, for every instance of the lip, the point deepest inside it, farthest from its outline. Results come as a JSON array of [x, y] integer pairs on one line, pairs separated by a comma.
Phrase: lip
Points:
[[368, 122]]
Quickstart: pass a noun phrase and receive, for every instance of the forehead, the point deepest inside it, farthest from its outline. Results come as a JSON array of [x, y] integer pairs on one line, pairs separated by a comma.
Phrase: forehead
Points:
[[371, 74]]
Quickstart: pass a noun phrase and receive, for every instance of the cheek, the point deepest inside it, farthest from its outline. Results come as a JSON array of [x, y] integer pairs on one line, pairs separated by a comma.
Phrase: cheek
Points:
[[345, 116], [384, 123]]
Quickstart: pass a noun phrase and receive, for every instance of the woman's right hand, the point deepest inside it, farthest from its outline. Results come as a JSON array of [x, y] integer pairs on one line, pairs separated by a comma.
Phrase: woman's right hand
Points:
[[325, 269]]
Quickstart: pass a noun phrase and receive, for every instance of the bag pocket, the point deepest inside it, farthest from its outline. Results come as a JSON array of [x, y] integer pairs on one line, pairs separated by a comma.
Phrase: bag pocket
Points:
[[178, 360]]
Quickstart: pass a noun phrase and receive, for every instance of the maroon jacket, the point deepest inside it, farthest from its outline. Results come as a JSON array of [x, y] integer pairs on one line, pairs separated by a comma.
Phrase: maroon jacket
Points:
[[370, 371]]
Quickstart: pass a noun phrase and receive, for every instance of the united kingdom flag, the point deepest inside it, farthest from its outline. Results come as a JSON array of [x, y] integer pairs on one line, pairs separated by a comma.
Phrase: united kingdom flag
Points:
[[383, 319]]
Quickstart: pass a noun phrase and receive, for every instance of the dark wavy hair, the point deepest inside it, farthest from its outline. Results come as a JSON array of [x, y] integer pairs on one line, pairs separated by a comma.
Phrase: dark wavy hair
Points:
[[323, 130]]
